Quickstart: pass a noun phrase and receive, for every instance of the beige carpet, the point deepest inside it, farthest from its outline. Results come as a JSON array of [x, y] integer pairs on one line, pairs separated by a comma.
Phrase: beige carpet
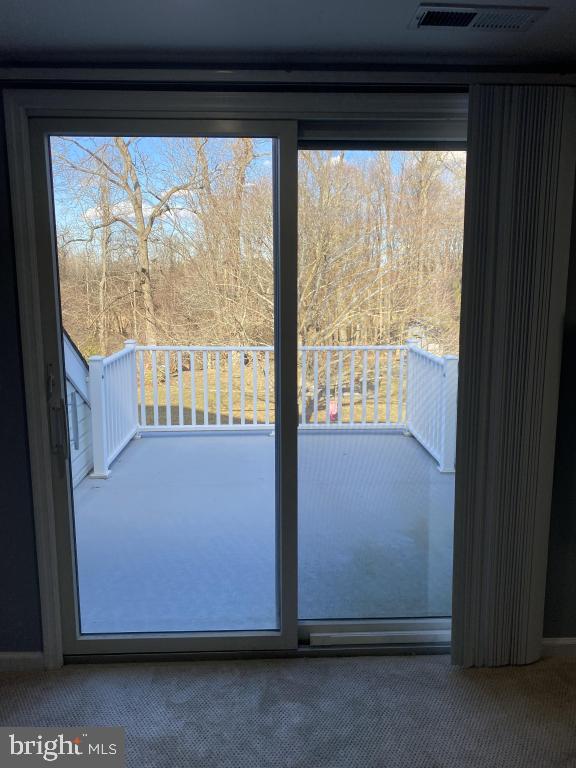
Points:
[[385, 712]]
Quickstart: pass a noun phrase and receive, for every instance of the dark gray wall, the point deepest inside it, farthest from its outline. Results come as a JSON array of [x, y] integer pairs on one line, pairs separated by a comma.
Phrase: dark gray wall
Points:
[[20, 628], [560, 619]]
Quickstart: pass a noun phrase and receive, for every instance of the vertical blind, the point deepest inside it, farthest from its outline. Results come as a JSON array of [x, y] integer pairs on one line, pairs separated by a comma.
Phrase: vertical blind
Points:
[[520, 182]]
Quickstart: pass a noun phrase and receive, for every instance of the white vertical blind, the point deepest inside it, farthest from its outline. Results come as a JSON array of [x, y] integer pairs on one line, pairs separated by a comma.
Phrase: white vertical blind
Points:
[[520, 177]]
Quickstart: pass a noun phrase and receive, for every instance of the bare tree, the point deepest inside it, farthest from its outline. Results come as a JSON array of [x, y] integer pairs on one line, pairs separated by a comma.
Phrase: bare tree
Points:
[[185, 243], [140, 218]]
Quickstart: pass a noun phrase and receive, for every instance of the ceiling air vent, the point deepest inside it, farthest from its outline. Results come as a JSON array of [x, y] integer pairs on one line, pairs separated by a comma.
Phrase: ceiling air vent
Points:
[[476, 16], [447, 19]]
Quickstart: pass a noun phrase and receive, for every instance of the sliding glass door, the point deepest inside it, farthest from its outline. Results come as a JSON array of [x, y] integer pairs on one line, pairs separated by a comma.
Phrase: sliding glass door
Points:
[[380, 258], [176, 517], [251, 369]]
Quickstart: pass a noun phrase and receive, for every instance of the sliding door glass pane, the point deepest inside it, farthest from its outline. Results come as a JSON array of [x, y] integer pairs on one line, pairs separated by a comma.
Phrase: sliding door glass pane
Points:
[[167, 295], [380, 253]]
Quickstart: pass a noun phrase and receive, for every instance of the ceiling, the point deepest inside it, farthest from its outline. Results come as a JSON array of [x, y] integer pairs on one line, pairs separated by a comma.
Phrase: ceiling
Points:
[[270, 33]]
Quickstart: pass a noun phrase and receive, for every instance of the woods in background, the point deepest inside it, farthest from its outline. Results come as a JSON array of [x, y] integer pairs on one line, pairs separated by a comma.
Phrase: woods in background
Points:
[[170, 241]]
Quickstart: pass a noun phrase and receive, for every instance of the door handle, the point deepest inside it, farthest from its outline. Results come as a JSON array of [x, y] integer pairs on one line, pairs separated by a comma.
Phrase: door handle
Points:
[[57, 418], [59, 429]]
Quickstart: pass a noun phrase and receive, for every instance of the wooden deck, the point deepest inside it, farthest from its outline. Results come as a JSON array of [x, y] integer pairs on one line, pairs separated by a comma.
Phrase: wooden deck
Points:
[[181, 536]]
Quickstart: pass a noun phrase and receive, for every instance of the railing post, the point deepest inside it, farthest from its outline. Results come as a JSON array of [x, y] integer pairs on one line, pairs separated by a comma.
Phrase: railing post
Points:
[[449, 408], [98, 417], [130, 345], [411, 344]]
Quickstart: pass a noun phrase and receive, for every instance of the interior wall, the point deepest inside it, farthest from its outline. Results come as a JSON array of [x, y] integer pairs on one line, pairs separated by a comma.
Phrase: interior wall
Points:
[[20, 625], [560, 616]]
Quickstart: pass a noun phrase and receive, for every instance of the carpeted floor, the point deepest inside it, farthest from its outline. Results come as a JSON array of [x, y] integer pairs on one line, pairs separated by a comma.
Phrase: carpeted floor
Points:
[[371, 712]]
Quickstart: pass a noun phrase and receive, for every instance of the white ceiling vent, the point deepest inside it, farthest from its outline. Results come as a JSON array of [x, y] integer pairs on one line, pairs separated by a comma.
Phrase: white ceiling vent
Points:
[[476, 16]]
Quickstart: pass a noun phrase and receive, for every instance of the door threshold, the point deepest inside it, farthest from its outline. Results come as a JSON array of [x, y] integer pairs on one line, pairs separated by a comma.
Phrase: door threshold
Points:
[[303, 651]]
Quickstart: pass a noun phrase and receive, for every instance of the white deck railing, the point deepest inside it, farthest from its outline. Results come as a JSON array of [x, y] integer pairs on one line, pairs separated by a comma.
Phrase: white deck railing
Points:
[[113, 405], [432, 399], [196, 388], [353, 386]]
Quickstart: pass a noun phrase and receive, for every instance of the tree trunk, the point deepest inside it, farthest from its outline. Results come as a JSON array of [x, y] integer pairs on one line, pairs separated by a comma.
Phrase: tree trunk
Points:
[[105, 237], [146, 291], [142, 232]]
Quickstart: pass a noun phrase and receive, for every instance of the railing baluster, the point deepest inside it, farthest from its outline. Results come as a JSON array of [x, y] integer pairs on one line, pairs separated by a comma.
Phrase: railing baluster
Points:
[[205, 384], [242, 393], [415, 392], [107, 410], [328, 361], [142, 390], [420, 391], [180, 399], [304, 392], [123, 387], [267, 385], [193, 387], [230, 400], [315, 386], [352, 416], [254, 388], [110, 409], [155, 385], [129, 401], [75, 437], [430, 410], [116, 394], [376, 418], [389, 387], [340, 368], [419, 376], [168, 392], [218, 388], [400, 398], [108, 414], [119, 392], [126, 400], [423, 403], [364, 384], [438, 399], [117, 385], [112, 404], [434, 410], [416, 388]]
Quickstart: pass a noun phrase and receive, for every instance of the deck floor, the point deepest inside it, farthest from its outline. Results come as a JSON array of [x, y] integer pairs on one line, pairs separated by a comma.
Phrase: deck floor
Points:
[[181, 537]]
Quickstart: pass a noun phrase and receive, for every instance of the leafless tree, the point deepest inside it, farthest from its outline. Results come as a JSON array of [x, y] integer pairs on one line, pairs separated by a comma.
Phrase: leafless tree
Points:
[[184, 247]]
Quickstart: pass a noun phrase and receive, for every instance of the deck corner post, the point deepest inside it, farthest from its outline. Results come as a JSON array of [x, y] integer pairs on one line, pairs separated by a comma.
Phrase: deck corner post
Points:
[[98, 417], [449, 412], [130, 346], [410, 345]]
